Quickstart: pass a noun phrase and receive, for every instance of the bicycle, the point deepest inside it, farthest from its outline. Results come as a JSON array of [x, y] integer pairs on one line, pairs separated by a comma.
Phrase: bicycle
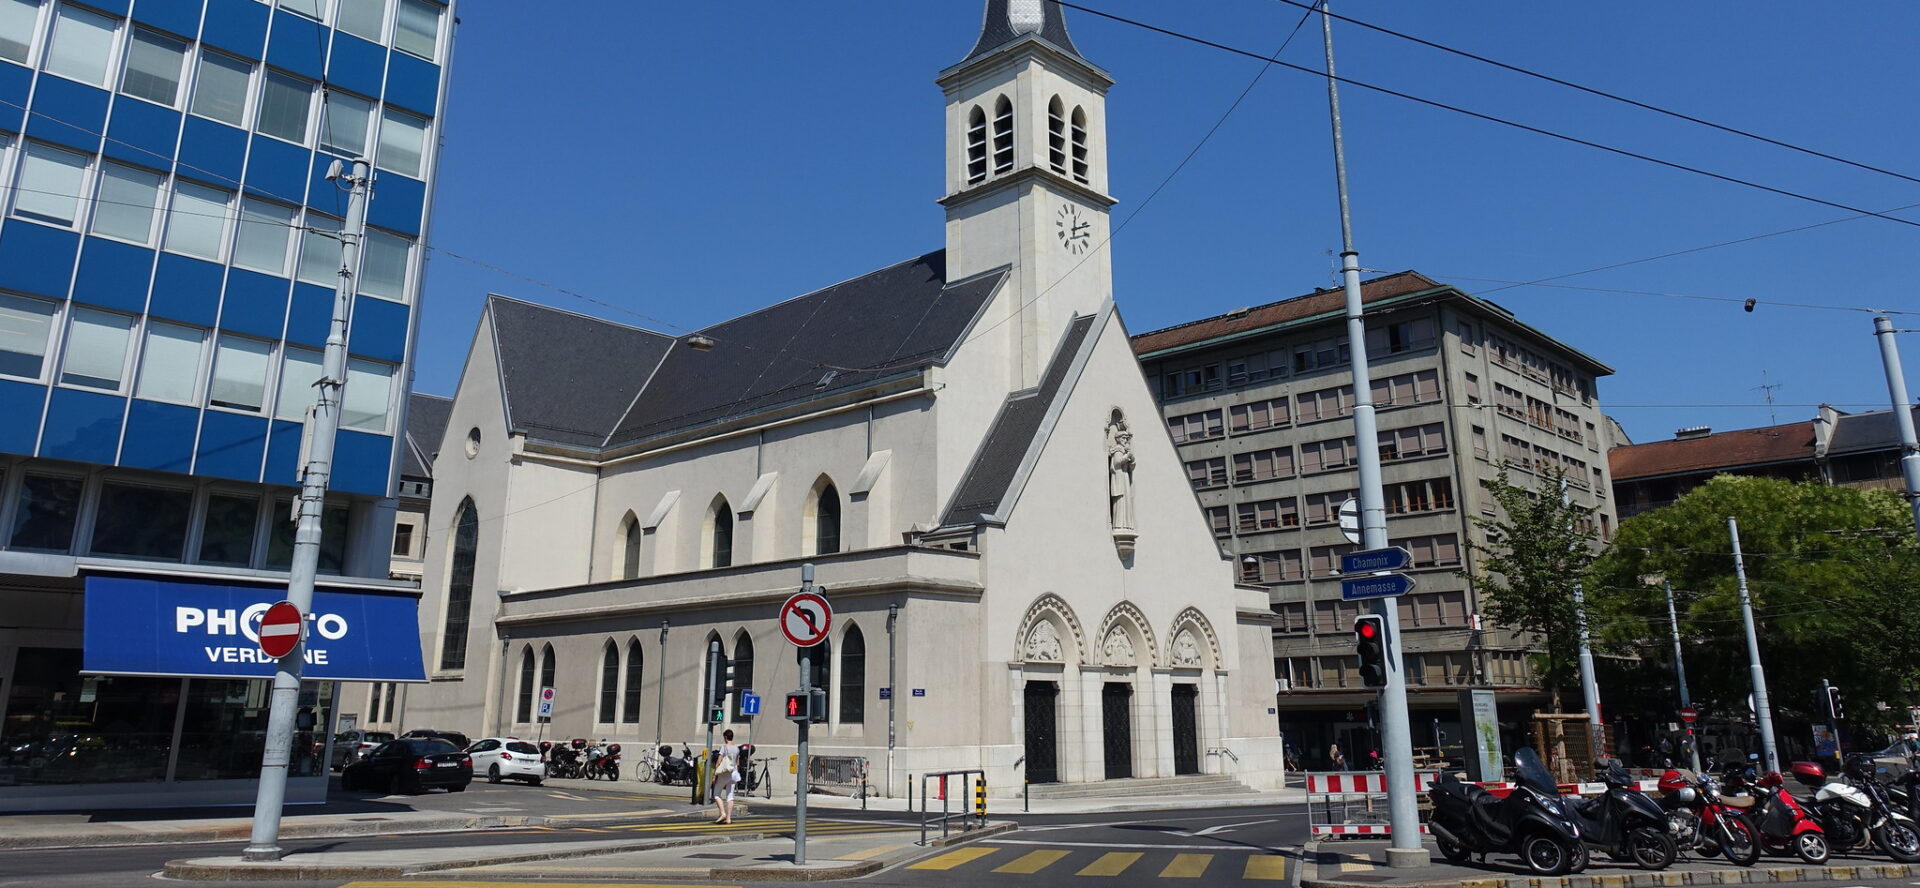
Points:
[[648, 766]]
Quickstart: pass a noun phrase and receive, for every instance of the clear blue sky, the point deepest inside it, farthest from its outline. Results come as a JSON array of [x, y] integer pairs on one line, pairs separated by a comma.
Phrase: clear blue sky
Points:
[[683, 163]]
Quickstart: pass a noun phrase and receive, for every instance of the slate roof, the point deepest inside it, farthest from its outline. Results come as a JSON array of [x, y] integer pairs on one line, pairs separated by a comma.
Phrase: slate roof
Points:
[[997, 29], [1769, 445], [568, 377], [988, 480], [426, 425], [832, 341], [1865, 432], [593, 384]]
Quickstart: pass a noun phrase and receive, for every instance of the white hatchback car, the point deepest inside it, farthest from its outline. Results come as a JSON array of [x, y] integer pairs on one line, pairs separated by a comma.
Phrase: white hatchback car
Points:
[[507, 758]]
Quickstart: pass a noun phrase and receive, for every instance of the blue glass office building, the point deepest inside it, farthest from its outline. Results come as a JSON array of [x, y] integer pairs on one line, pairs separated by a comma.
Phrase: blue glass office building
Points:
[[167, 274]]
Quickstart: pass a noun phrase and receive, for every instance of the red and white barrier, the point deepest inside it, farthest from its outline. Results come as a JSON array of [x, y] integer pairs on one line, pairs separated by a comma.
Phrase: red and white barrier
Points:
[[1334, 796]]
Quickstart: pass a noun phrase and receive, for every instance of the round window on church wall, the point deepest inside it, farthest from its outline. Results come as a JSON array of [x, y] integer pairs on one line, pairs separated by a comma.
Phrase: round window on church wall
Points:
[[473, 443]]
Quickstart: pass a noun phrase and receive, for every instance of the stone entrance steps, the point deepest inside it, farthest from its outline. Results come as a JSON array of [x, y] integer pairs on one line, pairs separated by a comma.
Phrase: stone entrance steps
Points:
[[1196, 785]]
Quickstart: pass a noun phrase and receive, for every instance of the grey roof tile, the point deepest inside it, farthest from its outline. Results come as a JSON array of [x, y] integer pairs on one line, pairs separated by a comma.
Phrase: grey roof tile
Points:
[[1005, 447], [426, 425], [997, 29], [568, 377], [1858, 432]]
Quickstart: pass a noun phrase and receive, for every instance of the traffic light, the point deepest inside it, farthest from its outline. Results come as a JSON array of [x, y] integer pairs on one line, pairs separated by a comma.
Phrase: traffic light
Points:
[[1834, 708], [1370, 642], [722, 672], [817, 706], [798, 709]]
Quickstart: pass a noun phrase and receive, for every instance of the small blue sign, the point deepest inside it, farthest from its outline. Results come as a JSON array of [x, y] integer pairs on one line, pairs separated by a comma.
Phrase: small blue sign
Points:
[[1381, 586], [886, 693], [150, 626], [749, 703], [919, 692], [1374, 560]]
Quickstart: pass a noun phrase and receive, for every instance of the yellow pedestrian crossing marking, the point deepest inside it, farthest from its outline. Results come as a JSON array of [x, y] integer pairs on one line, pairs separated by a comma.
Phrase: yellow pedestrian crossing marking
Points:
[[1031, 862], [767, 824], [1187, 866], [866, 853], [1110, 864], [952, 859], [541, 884], [1269, 867]]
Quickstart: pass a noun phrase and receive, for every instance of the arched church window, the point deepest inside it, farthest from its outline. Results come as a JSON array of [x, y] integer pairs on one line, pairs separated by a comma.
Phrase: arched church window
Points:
[[1002, 136], [636, 667], [1057, 136], [1080, 145], [720, 535], [523, 709], [826, 522], [609, 682], [742, 673], [547, 667], [466, 548], [853, 676], [976, 145], [630, 536]]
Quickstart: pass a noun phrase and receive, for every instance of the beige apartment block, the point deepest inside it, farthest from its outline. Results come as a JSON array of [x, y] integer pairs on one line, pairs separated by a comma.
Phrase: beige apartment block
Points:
[[1259, 402]]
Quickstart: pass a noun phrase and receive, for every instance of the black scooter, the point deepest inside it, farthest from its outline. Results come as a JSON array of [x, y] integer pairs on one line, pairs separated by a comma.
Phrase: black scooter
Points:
[[1624, 822], [1532, 820], [675, 770]]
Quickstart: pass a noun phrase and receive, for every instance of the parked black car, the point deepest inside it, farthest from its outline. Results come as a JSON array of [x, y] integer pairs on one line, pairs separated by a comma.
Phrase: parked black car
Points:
[[410, 765], [456, 738]]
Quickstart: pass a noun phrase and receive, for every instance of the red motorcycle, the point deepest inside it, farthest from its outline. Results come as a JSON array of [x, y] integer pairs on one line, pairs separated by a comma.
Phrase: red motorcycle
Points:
[[1785, 827], [1703, 821]]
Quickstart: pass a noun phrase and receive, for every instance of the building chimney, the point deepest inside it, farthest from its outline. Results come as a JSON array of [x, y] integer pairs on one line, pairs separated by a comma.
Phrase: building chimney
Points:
[[1690, 433]]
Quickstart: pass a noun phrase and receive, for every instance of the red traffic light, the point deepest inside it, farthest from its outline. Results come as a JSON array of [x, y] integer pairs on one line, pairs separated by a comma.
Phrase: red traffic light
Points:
[[793, 706], [1367, 629]]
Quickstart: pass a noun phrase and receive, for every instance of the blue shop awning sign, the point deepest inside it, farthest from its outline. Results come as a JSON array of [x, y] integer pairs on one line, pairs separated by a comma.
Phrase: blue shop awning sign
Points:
[[148, 626]]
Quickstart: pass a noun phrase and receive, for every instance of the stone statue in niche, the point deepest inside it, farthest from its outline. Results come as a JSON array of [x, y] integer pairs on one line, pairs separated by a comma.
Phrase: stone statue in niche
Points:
[[1120, 472], [1186, 651], [1043, 644], [1117, 650]]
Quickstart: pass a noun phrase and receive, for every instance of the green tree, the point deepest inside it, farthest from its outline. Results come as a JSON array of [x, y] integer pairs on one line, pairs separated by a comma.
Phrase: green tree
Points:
[[1831, 572], [1538, 547]]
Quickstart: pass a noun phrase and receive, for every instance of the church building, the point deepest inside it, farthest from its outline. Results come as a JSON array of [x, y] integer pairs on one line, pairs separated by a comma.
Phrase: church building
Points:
[[962, 444]]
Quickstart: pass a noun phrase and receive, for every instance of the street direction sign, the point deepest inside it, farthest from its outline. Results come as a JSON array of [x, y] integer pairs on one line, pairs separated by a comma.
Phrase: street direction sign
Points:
[[1386, 585], [805, 618], [1375, 560], [546, 702], [1350, 520], [749, 703], [280, 629], [1689, 715]]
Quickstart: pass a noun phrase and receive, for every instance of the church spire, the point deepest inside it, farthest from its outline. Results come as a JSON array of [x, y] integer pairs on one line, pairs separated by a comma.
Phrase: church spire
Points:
[[1010, 20]]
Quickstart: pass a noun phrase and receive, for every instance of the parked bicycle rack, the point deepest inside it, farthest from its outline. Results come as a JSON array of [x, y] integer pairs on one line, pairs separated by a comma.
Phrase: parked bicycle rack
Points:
[[974, 780]]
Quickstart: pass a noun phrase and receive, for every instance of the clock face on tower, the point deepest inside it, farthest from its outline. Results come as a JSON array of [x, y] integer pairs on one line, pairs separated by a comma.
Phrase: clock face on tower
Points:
[[1076, 233]]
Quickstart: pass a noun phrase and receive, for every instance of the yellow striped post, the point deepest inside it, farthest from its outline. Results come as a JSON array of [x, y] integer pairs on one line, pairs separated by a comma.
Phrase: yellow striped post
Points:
[[980, 797]]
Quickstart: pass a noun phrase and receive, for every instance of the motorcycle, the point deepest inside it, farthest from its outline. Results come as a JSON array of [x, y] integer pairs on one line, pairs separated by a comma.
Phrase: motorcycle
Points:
[[603, 761], [1532, 820], [1624, 822], [565, 760], [1858, 816], [1784, 825], [675, 769], [1703, 821]]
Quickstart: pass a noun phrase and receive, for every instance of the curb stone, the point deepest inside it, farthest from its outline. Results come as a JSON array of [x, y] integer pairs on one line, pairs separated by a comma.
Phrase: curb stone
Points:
[[1310, 872], [280, 872], [851, 870]]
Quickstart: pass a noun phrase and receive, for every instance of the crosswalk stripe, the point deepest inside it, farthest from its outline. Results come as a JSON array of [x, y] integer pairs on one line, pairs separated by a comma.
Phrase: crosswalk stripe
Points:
[[1111, 864], [866, 853], [1271, 867], [1031, 862], [952, 859], [1187, 866], [444, 884]]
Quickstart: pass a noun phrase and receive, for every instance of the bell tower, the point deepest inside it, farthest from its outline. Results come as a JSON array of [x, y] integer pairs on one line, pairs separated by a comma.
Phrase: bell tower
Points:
[[1027, 176]]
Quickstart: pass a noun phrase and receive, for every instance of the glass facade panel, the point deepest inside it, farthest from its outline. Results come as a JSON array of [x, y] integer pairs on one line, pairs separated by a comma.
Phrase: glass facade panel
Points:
[[197, 222], [221, 92], [153, 67], [45, 512], [266, 229], [365, 18], [333, 538], [418, 29], [298, 373], [64, 727], [344, 127], [96, 350], [225, 729], [50, 181], [368, 396], [403, 142], [25, 325], [284, 105], [226, 536], [320, 252], [141, 522], [82, 45], [128, 198], [240, 374], [383, 265], [170, 363], [18, 18]]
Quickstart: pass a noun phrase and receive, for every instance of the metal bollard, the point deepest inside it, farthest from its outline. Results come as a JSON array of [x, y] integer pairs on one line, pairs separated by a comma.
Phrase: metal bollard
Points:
[[980, 799]]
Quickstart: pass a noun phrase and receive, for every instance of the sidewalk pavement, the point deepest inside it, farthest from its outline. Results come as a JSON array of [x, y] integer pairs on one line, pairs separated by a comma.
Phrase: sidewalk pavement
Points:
[[738, 857], [348, 816], [1358, 864]]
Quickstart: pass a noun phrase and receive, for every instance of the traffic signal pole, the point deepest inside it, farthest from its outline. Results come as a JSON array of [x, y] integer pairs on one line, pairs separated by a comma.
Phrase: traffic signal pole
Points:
[[800, 768], [1762, 710], [1902, 412], [1395, 725], [1680, 675]]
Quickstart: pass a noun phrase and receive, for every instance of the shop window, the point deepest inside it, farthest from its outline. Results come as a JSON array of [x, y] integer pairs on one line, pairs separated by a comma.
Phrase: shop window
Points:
[[64, 728], [333, 538], [141, 522], [227, 532], [45, 513]]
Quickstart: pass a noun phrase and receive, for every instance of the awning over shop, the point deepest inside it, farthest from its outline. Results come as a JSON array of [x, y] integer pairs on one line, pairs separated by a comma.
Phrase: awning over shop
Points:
[[152, 626]]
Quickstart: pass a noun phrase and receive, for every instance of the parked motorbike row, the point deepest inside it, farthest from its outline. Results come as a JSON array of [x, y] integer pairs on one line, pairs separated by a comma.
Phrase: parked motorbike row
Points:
[[1740, 817], [579, 758]]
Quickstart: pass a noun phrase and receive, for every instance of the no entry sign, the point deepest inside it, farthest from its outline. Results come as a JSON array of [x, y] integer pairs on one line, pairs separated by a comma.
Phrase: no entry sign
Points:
[[804, 619], [280, 629], [1689, 715]]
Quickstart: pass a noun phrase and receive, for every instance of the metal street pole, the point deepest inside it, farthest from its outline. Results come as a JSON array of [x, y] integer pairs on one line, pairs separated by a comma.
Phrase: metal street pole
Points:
[[660, 692], [323, 425], [1902, 413], [1762, 711], [706, 715], [1589, 686], [800, 763], [1396, 739], [893, 617], [1680, 673]]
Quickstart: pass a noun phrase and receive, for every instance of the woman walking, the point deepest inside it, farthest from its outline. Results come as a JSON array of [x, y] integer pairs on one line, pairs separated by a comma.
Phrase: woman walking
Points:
[[726, 773]]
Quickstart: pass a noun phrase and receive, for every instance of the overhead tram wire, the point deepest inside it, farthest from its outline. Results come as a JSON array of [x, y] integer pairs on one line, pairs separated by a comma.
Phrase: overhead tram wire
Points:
[[1644, 106], [1490, 118]]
